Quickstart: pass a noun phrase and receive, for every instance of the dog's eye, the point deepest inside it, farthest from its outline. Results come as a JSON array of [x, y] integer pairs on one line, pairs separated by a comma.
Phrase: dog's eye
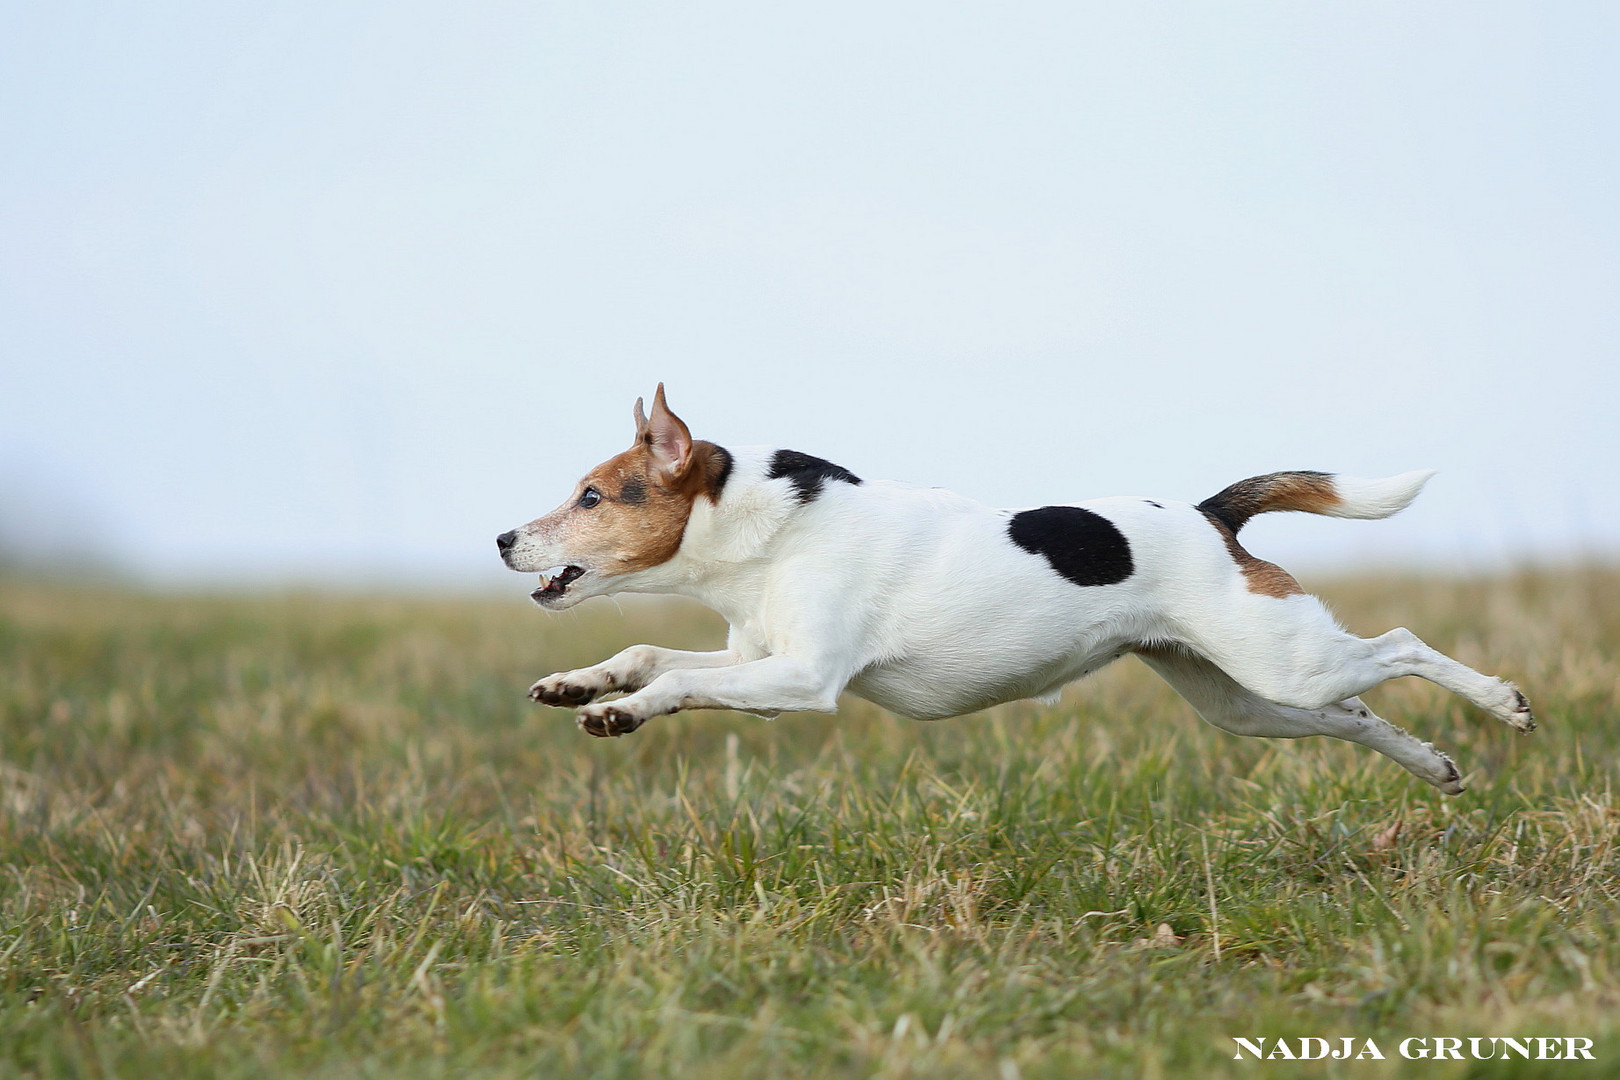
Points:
[[590, 498]]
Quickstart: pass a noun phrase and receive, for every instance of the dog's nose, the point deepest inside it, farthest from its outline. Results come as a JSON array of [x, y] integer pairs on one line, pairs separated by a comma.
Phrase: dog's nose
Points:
[[506, 540]]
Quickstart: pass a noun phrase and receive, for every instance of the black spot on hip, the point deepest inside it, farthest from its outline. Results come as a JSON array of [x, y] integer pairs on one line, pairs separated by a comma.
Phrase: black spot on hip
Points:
[[1084, 547], [807, 474]]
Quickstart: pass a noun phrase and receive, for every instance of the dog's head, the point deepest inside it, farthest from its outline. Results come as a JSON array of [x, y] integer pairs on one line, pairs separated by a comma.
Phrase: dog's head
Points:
[[625, 516]]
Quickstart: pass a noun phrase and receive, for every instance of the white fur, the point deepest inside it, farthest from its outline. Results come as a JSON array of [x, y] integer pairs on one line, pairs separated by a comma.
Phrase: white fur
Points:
[[1360, 498], [917, 599]]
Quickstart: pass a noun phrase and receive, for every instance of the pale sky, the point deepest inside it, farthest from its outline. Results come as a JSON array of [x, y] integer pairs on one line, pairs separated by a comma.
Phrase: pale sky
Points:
[[325, 292]]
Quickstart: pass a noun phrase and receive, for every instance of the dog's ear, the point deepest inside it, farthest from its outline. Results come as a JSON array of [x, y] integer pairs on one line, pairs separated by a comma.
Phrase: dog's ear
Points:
[[666, 435], [641, 421]]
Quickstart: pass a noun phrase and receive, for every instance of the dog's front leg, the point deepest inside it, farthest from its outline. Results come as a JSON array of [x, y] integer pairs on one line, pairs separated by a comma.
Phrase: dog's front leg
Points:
[[775, 684], [628, 671]]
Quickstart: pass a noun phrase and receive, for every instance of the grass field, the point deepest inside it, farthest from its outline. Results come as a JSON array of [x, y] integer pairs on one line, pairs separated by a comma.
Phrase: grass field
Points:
[[328, 837]]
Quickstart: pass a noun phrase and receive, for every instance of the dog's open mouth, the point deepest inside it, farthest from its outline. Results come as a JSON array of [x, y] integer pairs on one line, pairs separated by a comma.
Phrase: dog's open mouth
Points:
[[555, 582]]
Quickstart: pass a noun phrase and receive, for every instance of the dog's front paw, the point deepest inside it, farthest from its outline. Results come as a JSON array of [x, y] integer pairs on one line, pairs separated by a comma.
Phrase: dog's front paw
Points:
[[570, 688], [609, 719]]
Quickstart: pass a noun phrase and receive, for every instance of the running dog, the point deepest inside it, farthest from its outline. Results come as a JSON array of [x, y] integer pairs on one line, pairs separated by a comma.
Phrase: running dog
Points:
[[932, 605]]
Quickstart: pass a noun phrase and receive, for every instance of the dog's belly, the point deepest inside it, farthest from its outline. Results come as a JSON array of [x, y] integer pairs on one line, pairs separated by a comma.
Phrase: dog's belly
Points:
[[932, 691]]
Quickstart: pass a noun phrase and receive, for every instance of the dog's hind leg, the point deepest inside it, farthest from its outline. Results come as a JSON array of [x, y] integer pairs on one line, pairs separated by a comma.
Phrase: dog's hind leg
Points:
[[1402, 651], [1291, 651], [1224, 703]]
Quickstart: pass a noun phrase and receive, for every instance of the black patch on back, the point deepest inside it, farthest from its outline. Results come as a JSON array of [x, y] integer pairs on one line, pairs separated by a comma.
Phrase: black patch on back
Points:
[[807, 474], [1084, 547], [1150, 502], [634, 491]]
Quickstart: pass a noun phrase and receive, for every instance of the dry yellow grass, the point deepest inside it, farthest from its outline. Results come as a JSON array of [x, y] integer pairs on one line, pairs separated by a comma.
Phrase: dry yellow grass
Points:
[[327, 836]]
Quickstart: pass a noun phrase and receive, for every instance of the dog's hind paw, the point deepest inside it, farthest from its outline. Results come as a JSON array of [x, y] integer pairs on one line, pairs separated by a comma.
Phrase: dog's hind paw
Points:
[[1451, 782], [608, 720], [1518, 714]]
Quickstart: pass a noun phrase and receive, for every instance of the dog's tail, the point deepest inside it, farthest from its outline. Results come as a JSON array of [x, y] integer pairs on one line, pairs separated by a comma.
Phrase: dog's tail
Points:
[[1314, 493]]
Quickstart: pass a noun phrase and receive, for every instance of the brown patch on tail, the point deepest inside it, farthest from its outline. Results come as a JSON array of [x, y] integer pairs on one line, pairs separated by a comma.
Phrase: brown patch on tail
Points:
[[1264, 578], [1312, 492]]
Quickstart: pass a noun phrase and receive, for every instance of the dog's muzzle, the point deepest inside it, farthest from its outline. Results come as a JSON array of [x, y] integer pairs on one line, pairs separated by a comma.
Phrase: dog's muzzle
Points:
[[554, 582]]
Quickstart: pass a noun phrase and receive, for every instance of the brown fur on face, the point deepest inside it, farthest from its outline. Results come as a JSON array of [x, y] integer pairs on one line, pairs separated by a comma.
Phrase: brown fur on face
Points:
[[640, 521], [1264, 578], [647, 494]]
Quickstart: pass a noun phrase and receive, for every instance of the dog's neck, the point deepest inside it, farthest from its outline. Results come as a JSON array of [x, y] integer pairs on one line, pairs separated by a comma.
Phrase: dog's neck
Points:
[[740, 526], [728, 543]]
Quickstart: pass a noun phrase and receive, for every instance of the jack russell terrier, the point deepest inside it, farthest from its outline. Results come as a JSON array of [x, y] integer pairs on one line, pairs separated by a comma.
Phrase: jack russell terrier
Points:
[[933, 605]]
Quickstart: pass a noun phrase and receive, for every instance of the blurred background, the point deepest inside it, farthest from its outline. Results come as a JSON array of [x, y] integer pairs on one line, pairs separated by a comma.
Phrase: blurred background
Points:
[[332, 294]]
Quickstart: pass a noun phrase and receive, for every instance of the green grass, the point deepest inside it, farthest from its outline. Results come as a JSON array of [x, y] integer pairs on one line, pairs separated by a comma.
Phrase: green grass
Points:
[[328, 837]]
